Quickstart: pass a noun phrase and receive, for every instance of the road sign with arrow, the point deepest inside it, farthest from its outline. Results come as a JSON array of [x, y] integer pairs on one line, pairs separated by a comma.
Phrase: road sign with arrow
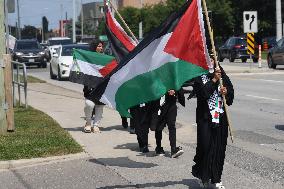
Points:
[[250, 21]]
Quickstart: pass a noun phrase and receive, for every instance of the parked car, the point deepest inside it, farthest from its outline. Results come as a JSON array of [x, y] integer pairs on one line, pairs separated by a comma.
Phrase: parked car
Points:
[[275, 54], [236, 48], [30, 52], [62, 60], [55, 42]]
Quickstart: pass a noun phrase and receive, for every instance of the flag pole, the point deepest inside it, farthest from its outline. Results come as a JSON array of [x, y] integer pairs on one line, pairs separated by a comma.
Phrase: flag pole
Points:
[[123, 22], [217, 66]]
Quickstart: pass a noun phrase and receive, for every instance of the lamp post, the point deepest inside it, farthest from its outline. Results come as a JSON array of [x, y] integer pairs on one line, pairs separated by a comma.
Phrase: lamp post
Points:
[[19, 21], [73, 22], [278, 20]]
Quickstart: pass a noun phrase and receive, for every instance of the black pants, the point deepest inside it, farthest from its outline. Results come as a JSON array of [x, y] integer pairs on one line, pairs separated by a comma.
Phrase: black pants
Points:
[[169, 118], [141, 124]]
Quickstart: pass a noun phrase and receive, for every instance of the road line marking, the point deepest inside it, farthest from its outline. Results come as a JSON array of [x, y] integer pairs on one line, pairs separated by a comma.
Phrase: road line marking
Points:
[[271, 80], [261, 97]]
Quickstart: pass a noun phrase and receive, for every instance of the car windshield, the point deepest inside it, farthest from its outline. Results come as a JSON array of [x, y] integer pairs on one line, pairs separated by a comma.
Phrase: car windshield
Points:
[[67, 51], [60, 42], [241, 42], [28, 45]]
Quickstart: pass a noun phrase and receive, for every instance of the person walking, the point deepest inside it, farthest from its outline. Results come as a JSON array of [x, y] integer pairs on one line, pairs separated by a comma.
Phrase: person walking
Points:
[[212, 126], [92, 105], [166, 116]]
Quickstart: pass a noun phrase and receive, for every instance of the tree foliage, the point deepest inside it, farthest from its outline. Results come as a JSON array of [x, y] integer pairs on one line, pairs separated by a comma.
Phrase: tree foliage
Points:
[[226, 16]]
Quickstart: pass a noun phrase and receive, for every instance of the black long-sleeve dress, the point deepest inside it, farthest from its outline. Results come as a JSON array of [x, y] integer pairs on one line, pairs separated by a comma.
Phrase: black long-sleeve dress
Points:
[[211, 139]]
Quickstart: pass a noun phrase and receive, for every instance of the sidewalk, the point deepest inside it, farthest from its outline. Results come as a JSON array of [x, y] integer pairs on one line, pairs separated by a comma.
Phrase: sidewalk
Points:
[[117, 150]]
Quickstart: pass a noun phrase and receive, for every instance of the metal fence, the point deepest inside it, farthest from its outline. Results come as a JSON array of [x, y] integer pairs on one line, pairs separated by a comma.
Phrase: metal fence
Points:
[[19, 80]]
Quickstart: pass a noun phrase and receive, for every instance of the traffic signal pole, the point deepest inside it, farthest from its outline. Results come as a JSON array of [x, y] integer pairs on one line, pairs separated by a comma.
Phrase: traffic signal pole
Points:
[[3, 119]]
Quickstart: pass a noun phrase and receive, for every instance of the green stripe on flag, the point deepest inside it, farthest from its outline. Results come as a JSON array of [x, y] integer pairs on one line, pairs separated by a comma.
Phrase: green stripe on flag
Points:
[[152, 85], [92, 57]]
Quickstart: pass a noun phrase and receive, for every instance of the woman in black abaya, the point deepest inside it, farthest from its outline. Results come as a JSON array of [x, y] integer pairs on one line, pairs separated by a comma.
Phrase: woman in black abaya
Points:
[[212, 126]]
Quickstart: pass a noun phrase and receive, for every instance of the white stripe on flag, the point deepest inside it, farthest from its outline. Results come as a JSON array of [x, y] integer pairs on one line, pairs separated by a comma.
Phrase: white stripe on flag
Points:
[[89, 69]]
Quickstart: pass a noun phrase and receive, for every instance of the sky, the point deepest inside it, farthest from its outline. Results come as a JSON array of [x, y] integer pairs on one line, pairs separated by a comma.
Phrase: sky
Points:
[[32, 11]]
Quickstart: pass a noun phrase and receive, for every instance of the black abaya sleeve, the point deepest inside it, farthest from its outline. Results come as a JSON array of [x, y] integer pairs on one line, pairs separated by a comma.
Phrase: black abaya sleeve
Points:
[[204, 90], [228, 84]]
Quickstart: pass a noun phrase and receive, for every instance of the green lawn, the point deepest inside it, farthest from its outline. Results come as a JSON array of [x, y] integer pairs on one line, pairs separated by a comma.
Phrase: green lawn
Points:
[[264, 55], [36, 135]]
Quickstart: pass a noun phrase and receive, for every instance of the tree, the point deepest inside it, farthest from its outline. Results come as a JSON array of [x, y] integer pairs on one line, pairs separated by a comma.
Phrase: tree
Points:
[[132, 18], [44, 26], [29, 32]]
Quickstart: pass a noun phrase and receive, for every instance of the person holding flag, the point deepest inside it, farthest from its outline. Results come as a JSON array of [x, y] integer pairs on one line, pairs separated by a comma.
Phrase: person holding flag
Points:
[[92, 105], [212, 126]]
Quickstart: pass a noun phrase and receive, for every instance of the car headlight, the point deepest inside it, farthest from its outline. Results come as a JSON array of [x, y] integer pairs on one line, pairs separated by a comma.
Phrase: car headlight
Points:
[[19, 53], [41, 53], [66, 65]]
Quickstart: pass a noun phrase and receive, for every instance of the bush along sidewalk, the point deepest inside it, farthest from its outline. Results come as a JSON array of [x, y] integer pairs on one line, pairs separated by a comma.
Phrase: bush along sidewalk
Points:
[[36, 135]]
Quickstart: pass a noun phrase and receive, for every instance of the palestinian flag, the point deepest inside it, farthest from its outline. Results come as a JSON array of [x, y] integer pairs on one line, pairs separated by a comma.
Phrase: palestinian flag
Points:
[[90, 68], [172, 54], [121, 44]]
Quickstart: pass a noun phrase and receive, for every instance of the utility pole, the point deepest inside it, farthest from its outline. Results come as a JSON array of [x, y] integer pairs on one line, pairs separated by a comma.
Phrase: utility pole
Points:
[[278, 20], [73, 22], [82, 20], [3, 119], [61, 20], [7, 28], [19, 22], [140, 23]]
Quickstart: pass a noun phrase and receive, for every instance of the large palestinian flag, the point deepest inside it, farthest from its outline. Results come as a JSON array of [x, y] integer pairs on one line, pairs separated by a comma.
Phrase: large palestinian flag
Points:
[[90, 68], [172, 54]]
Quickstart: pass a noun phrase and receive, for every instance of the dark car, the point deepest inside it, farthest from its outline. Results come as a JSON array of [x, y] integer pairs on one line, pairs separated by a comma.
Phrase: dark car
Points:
[[235, 48], [275, 54], [30, 52]]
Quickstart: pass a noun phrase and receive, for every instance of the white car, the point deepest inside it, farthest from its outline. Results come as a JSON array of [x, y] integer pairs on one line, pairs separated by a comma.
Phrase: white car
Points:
[[54, 42], [62, 60]]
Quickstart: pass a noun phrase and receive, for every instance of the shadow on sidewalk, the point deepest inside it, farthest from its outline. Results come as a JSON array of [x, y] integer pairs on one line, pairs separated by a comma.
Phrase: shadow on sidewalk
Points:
[[191, 183], [122, 162], [114, 127], [130, 146]]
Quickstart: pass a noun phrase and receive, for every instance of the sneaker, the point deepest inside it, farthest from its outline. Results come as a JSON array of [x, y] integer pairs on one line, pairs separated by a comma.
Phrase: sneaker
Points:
[[132, 130], [144, 149], [124, 124], [160, 151], [95, 129], [218, 186], [87, 128], [177, 152]]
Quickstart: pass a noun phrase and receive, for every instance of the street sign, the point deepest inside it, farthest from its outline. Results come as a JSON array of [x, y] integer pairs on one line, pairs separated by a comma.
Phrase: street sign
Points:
[[250, 43], [250, 21]]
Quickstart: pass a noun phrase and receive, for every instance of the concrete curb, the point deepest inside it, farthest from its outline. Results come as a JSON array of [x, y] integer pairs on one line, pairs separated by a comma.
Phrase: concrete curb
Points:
[[13, 164]]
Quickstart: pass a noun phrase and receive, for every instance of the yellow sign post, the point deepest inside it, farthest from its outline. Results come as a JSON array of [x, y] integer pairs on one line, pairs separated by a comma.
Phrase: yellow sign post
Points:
[[250, 43]]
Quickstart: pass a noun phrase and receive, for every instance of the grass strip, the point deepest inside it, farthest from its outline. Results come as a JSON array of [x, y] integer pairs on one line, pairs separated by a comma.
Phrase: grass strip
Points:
[[36, 135]]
